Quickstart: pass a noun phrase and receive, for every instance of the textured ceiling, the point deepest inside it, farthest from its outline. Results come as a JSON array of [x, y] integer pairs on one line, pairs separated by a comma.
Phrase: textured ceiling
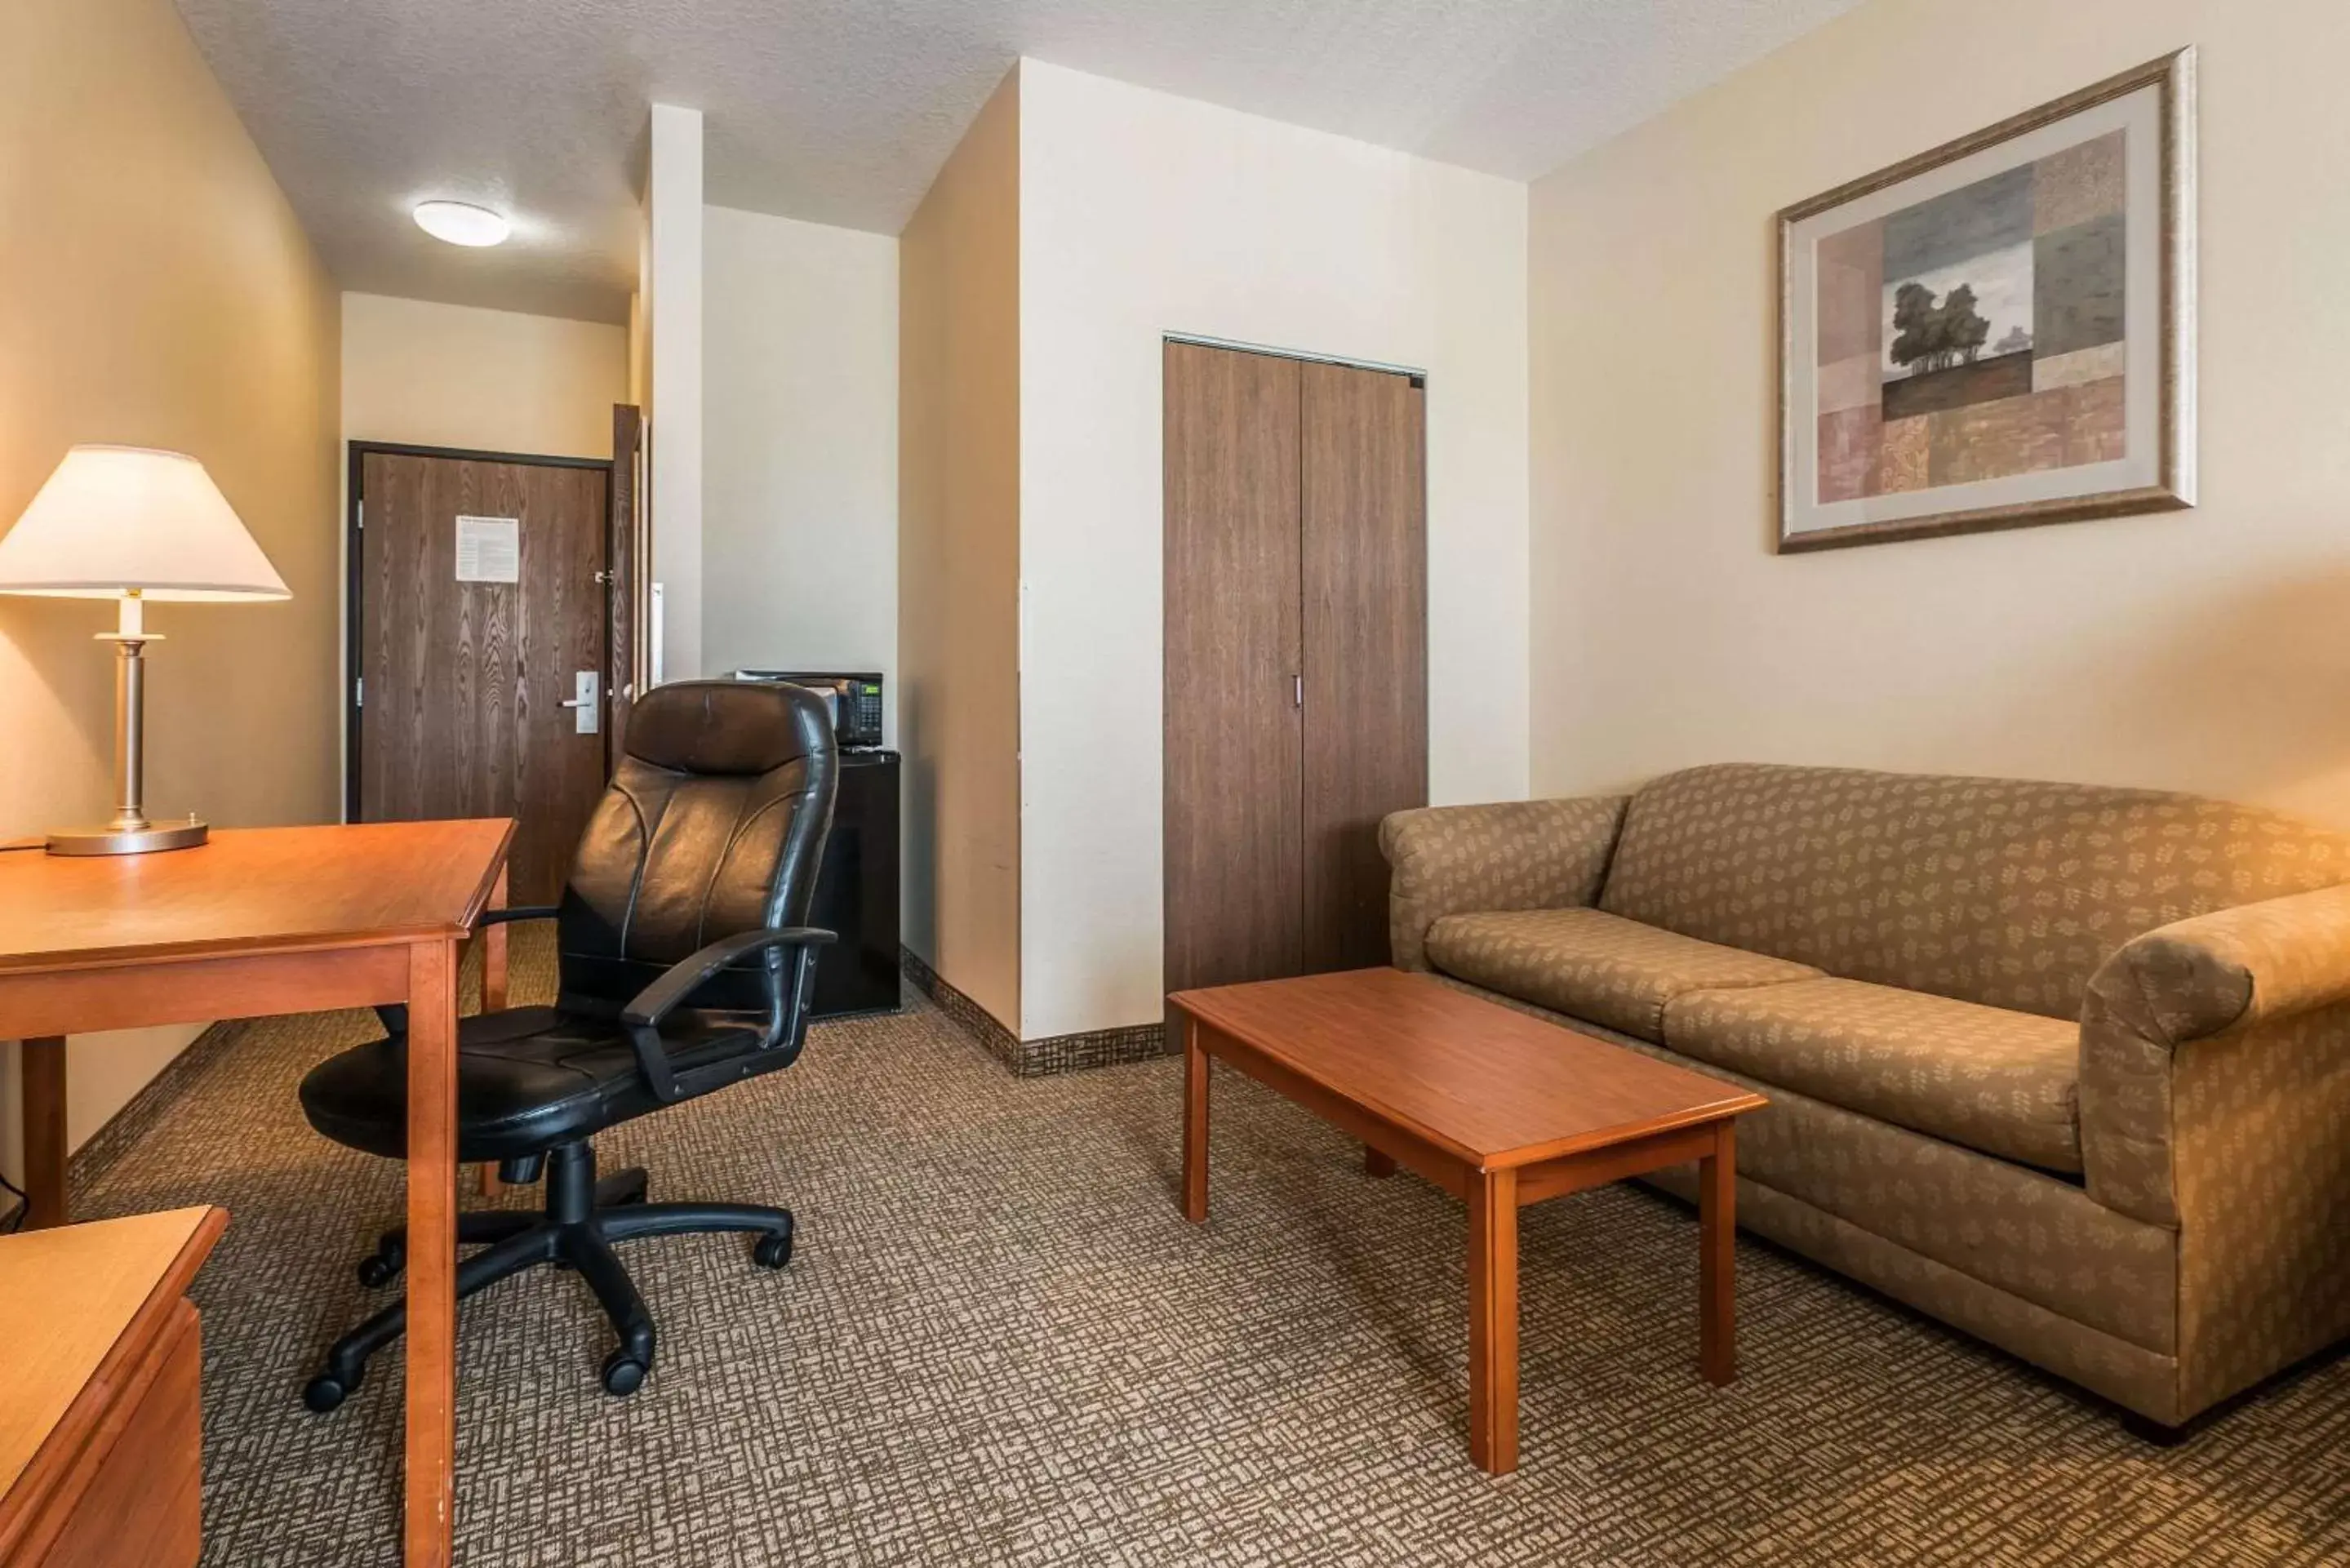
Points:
[[841, 111]]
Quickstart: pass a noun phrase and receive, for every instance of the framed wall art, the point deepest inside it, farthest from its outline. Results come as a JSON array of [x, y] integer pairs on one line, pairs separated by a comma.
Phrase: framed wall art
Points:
[[2000, 332]]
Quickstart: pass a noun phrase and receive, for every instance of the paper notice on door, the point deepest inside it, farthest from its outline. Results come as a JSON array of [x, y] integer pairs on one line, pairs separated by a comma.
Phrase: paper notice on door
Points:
[[489, 550]]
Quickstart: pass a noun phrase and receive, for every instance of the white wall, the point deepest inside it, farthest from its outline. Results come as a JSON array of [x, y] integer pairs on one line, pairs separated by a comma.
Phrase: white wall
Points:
[[671, 324], [2203, 651], [958, 562], [490, 380], [1142, 215], [799, 499]]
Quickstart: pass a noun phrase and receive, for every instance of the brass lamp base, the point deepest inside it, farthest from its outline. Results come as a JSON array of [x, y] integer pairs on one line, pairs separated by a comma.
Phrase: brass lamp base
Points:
[[111, 840], [131, 832]]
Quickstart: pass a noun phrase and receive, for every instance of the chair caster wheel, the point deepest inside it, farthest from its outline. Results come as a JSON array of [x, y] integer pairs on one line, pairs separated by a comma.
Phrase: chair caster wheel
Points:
[[623, 1375], [381, 1269], [323, 1393], [771, 1252]]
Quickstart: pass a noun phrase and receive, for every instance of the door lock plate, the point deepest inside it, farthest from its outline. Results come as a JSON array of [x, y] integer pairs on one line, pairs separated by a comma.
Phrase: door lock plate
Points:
[[585, 705]]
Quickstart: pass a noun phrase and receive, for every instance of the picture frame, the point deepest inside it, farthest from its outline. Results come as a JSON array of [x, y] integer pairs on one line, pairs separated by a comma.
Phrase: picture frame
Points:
[[1999, 332]]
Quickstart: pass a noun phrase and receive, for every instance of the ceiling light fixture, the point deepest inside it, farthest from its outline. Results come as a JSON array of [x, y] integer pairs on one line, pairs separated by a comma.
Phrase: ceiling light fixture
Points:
[[461, 223]]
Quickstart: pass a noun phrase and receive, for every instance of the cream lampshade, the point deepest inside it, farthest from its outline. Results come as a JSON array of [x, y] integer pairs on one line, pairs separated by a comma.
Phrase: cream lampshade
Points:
[[130, 525]]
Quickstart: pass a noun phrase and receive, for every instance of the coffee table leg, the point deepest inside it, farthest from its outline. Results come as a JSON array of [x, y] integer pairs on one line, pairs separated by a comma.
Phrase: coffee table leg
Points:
[[1378, 1163], [1195, 1122], [1494, 1321], [1716, 1209]]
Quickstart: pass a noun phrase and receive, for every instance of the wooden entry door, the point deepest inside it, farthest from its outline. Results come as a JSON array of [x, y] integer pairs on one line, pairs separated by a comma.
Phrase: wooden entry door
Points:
[[464, 666]]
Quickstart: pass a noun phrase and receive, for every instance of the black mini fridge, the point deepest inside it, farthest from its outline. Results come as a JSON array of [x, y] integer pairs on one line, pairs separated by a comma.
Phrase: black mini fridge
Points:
[[856, 890]]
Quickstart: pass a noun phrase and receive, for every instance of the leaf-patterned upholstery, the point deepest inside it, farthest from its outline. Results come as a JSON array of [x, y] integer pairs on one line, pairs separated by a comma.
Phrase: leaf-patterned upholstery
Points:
[[1983, 1005]]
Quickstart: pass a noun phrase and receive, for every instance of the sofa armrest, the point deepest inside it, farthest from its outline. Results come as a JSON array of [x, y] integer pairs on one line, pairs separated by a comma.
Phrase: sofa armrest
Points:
[[1468, 859], [2240, 1011], [2215, 1101]]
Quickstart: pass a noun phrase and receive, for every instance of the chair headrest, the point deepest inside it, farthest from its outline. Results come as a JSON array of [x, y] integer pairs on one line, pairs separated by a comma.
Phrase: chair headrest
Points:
[[727, 726]]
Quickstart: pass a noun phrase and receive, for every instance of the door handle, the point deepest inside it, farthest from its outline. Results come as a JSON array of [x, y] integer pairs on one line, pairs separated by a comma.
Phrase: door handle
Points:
[[584, 703]]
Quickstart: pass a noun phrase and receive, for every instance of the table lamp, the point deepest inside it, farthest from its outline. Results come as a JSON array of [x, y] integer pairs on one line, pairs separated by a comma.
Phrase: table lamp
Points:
[[128, 523]]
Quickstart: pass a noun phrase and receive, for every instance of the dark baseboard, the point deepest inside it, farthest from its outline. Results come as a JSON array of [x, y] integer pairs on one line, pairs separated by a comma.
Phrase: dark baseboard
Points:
[[1034, 1058], [98, 1154], [103, 1148], [969, 1017]]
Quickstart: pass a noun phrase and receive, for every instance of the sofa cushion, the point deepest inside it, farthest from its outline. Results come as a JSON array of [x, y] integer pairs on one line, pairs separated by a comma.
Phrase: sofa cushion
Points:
[[2033, 1234], [1601, 966], [1999, 1082], [2000, 891]]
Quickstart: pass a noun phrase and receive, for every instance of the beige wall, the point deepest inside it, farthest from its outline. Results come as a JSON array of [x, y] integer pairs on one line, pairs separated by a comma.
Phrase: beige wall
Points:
[[958, 553], [159, 291], [1144, 213], [493, 381], [799, 438], [2204, 650]]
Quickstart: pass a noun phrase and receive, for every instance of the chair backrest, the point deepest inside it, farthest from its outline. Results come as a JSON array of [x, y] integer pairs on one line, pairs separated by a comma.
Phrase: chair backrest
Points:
[[714, 823]]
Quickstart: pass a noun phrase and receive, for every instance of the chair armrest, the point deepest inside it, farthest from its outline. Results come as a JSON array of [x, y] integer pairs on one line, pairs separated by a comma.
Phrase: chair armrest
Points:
[[642, 1016], [679, 981], [526, 912], [2267, 977], [1471, 859]]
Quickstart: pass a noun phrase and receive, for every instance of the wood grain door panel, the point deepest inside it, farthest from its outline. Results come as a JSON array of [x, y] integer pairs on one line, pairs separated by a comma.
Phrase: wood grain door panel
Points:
[[1232, 654], [627, 572], [1364, 572], [464, 683]]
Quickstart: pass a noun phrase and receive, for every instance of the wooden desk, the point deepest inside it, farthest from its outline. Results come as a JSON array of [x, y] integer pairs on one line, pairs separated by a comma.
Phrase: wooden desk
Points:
[[270, 921], [101, 1427]]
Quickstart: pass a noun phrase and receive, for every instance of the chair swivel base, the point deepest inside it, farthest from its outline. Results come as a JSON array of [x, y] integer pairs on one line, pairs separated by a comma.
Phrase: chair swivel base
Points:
[[583, 1218]]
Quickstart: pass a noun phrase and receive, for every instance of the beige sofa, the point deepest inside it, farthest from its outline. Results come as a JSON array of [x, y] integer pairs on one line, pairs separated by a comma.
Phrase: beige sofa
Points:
[[2066, 1067]]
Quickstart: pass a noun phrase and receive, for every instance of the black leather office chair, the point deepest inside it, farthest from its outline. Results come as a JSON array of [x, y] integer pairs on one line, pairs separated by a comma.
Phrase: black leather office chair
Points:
[[684, 968]]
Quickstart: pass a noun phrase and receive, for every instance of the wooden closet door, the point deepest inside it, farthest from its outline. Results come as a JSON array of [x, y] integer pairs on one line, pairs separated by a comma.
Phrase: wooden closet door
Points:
[[1234, 900], [1363, 487]]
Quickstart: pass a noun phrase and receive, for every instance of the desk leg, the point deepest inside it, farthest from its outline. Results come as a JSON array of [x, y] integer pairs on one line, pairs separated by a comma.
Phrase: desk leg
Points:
[[1493, 1320], [44, 1069], [493, 996], [1717, 1212], [493, 953], [432, 1254], [1195, 1122]]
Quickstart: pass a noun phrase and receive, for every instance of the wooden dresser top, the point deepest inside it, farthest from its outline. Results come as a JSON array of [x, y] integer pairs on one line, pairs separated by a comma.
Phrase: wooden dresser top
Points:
[[67, 1297]]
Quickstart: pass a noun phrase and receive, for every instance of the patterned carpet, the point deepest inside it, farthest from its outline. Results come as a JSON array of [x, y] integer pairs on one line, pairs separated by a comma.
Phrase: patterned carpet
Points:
[[998, 1344]]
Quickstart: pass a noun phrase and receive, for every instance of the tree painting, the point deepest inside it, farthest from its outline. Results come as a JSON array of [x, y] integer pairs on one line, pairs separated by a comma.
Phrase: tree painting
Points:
[[1928, 336], [1966, 329], [1914, 318]]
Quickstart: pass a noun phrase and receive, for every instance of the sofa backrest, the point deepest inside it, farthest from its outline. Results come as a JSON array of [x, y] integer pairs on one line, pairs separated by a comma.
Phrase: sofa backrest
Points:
[[2000, 891]]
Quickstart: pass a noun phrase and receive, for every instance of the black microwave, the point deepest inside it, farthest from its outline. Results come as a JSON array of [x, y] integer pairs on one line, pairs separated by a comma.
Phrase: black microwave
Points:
[[855, 700]]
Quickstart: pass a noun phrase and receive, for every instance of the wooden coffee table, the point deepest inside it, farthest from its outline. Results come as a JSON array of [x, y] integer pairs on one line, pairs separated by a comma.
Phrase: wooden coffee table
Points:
[[1499, 1110]]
